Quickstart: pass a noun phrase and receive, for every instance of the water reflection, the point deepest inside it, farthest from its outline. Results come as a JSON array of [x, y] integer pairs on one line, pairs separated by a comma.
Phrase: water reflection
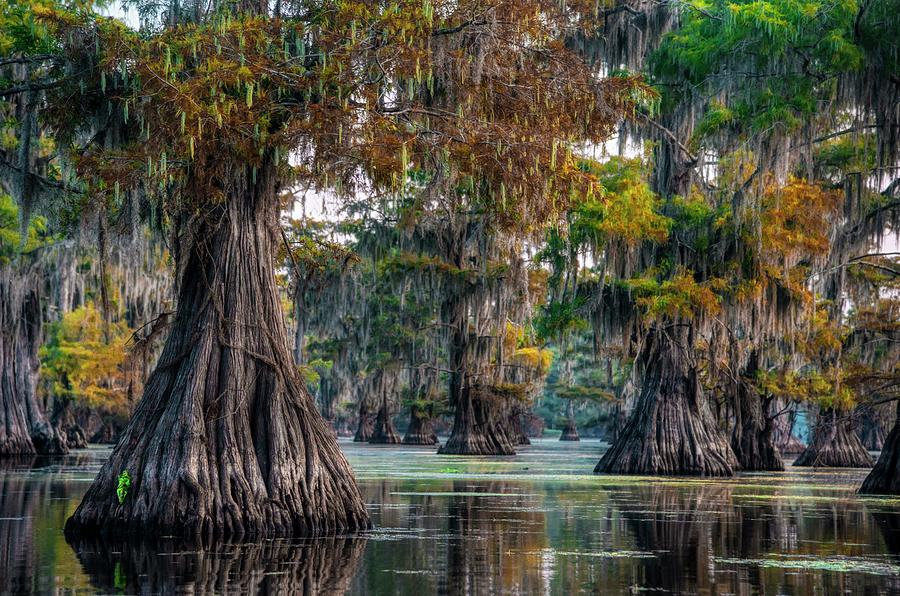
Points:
[[675, 526], [889, 524], [322, 566], [495, 543], [533, 524], [35, 497]]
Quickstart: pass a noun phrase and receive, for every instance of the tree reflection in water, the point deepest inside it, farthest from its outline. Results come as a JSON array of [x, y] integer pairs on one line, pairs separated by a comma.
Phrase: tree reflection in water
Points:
[[711, 539], [675, 526], [17, 504], [323, 566], [496, 543], [454, 527], [889, 524]]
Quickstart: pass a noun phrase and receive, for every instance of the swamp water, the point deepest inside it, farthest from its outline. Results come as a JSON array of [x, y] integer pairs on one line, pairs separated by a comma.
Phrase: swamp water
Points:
[[535, 523]]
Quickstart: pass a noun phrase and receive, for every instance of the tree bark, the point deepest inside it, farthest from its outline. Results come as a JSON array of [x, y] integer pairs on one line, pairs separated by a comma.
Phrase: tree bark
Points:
[[420, 430], [570, 432], [24, 429], [63, 420], [834, 444], [366, 425], [478, 421], [753, 433], [671, 431], [884, 479], [872, 429], [477, 427], [226, 441], [785, 439], [515, 428], [384, 433]]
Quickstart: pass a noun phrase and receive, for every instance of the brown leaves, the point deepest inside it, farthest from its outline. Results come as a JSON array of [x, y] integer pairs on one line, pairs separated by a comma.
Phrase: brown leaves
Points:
[[483, 104]]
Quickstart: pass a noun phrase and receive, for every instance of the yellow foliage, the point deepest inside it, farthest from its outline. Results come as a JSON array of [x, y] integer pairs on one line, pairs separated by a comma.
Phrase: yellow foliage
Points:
[[81, 363], [535, 358], [796, 220]]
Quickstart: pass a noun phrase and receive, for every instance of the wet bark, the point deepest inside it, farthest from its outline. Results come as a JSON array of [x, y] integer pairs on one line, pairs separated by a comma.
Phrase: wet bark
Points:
[[834, 444], [477, 427], [873, 426], [63, 420], [384, 432], [570, 433], [753, 433], [884, 479], [671, 430], [226, 441], [24, 428], [421, 429], [516, 429], [365, 426]]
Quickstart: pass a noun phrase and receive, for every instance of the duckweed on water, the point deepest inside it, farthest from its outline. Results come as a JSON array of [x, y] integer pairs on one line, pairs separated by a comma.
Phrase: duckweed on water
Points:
[[838, 564], [536, 523]]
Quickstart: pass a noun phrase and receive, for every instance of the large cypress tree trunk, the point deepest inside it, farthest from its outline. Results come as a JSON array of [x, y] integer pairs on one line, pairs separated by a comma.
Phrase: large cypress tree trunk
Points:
[[884, 479], [420, 430], [784, 419], [834, 444], [872, 429], [753, 433], [24, 429], [226, 441], [671, 430], [384, 386], [570, 432], [478, 425], [366, 424], [63, 419], [515, 428], [384, 433]]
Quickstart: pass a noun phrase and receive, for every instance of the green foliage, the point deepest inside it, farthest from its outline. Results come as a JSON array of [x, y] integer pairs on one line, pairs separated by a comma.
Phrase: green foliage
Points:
[[123, 485], [10, 239], [625, 209], [557, 318], [312, 371], [775, 57], [582, 393], [119, 578]]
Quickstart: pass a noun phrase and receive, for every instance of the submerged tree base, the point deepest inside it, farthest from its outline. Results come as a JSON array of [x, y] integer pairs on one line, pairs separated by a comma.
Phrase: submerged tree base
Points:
[[516, 429], [569, 433], [420, 430], [384, 432], [834, 444], [753, 434], [884, 479], [477, 429], [226, 441], [671, 431], [366, 425]]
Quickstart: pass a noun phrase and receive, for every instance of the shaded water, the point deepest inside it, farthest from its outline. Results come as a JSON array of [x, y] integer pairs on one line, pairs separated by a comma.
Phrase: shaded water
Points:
[[535, 523]]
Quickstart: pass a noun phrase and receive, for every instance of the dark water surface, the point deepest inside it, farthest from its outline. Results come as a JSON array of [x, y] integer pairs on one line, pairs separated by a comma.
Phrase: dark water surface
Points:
[[535, 523]]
